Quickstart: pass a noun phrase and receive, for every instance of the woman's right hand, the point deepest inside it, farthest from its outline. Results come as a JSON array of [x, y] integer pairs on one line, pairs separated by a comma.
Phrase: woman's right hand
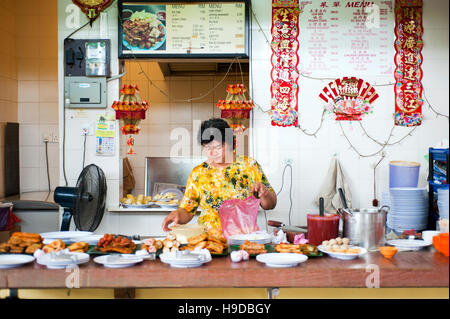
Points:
[[179, 216]]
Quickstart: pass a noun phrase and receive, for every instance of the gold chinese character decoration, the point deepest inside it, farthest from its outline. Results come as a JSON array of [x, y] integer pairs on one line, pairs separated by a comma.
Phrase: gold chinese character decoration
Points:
[[92, 8], [408, 60]]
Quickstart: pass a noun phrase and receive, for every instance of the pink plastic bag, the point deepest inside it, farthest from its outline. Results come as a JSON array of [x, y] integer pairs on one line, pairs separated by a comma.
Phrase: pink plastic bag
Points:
[[239, 216]]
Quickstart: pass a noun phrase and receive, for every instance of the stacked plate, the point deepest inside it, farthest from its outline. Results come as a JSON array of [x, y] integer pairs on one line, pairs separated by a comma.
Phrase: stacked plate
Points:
[[443, 203], [385, 199], [408, 209]]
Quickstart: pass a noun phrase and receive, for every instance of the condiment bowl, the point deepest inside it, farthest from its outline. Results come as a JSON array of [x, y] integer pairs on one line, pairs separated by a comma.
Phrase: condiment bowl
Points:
[[388, 251]]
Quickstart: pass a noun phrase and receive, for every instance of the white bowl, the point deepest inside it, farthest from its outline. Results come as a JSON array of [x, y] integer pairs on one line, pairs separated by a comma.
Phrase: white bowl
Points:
[[427, 235]]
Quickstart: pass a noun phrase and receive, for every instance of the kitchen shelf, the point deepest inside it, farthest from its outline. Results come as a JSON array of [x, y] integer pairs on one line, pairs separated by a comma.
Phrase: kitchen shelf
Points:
[[440, 155], [118, 209]]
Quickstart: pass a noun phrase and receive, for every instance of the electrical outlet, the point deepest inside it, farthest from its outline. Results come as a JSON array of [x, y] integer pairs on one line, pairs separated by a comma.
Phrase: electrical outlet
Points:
[[46, 138], [288, 161], [54, 138], [85, 129]]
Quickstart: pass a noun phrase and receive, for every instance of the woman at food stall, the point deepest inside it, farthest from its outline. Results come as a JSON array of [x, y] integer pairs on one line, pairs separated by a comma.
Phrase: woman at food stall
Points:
[[223, 176]]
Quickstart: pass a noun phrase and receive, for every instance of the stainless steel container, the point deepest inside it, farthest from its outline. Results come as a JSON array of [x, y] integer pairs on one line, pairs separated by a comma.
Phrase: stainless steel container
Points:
[[365, 227]]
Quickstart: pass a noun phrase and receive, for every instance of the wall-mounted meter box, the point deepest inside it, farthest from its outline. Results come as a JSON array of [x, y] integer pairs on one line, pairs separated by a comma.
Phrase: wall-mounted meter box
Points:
[[84, 92], [87, 57], [86, 67]]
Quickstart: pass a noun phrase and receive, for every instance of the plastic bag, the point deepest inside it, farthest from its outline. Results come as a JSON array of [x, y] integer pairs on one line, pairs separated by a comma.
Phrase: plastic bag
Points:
[[7, 218], [239, 216]]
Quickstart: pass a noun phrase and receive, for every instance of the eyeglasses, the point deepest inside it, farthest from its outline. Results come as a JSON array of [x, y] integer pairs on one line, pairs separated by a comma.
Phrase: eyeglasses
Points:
[[210, 148]]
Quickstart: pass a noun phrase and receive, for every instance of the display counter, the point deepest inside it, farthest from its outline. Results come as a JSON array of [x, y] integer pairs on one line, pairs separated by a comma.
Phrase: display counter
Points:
[[420, 269]]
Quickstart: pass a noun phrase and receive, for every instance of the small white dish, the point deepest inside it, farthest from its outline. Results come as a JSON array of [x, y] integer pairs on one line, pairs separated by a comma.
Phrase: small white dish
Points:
[[409, 244], [14, 260], [168, 207], [344, 256], [281, 260], [169, 258], [65, 236], [259, 238], [144, 206], [118, 261], [428, 235], [62, 260]]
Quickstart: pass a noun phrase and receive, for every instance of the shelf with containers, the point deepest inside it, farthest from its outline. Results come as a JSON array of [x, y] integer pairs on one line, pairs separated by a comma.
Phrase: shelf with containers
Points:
[[437, 179]]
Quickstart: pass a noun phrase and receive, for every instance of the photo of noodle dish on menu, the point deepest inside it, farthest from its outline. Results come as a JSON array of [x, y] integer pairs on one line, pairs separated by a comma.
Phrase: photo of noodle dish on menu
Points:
[[143, 28]]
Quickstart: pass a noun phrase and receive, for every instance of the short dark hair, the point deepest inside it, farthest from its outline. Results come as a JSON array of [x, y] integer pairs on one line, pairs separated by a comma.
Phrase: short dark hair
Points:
[[215, 129]]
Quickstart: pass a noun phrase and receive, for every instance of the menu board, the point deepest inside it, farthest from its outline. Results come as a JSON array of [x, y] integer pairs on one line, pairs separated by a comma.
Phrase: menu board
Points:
[[355, 36], [183, 29]]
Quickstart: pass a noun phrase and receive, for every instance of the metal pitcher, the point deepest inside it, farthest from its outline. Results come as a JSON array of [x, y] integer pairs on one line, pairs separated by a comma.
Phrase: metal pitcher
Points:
[[365, 227]]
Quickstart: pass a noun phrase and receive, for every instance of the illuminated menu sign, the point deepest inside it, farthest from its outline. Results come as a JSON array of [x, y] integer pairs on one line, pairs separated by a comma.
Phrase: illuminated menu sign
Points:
[[355, 36], [183, 29]]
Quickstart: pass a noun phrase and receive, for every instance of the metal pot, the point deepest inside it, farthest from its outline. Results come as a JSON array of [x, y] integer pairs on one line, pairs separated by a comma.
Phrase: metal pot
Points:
[[365, 227]]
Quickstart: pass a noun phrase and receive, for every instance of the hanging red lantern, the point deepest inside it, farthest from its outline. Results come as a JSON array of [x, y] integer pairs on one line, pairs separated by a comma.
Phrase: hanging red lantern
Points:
[[130, 110], [235, 109]]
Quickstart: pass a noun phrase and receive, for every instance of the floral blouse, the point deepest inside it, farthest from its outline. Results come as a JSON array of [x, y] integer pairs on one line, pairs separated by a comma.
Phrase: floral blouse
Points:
[[208, 187]]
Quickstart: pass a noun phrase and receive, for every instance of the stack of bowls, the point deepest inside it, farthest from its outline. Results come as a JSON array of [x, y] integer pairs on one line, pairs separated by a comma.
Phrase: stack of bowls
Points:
[[443, 203], [408, 209], [385, 199]]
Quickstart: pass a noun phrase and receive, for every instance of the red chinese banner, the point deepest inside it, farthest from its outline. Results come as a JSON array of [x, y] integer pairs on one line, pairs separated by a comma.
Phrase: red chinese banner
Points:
[[284, 88], [349, 98], [408, 60]]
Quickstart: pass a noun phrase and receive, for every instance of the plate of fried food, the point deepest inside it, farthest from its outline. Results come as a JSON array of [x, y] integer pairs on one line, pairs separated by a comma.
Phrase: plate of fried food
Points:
[[191, 237], [138, 202], [339, 248], [22, 243], [252, 248], [304, 249], [110, 243], [168, 195], [213, 240]]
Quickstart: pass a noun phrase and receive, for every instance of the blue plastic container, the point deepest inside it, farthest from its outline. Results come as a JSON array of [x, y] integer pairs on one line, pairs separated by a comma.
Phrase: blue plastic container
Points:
[[403, 174]]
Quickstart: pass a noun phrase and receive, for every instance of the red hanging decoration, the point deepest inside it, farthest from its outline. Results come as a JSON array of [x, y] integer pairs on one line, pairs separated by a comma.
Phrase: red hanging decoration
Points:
[[236, 108], [349, 98], [408, 60], [284, 88], [130, 110]]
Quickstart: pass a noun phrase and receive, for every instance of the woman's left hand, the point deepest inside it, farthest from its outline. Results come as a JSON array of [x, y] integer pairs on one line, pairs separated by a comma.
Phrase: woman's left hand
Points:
[[262, 190]]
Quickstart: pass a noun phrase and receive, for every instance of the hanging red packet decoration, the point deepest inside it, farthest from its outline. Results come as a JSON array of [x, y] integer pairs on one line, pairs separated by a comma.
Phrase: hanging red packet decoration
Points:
[[130, 110], [408, 60], [235, 109], [92, 8], [284, 88], [349, 98]]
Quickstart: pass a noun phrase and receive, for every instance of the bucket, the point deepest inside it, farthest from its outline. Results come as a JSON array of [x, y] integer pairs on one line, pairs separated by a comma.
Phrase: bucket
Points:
[[403, 174]]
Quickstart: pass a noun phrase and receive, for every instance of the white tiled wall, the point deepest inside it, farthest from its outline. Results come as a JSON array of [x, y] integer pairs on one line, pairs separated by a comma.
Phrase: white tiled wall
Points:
[[312, 156], [37, 92], [166, 118], [75, 119], [8, 76]]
